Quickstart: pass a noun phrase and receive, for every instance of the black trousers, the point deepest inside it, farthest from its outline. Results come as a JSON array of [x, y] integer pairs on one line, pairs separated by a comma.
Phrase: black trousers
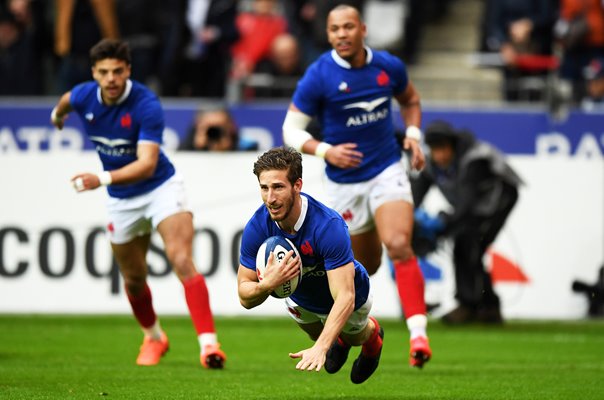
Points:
[[474, 288]]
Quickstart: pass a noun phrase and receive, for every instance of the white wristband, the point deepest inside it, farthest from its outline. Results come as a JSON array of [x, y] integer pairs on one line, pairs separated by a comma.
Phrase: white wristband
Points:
[[321, 149], [105, 178], [53, 115], [413, 132]]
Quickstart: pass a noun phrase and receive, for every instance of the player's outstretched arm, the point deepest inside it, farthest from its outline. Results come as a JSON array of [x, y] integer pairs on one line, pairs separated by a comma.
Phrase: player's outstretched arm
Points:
[[341, 285], [142, 168], [60, 111]]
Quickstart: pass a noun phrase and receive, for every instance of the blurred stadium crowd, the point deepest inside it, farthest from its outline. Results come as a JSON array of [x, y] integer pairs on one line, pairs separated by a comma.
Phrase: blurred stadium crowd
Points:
[[250, 49]]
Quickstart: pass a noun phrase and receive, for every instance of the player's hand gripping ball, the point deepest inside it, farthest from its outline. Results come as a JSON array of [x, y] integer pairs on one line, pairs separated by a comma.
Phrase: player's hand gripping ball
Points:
[[280, 246]]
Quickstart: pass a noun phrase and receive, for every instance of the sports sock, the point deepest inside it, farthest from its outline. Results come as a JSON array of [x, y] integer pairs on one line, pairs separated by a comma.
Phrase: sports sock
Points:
[[417, 325], [206, 339], [154, 331], [198, 301], [410, 285], [142, 307], [372, 346]]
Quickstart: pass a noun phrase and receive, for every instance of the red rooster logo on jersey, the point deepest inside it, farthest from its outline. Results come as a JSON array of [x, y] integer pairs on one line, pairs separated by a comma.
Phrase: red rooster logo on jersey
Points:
[[383, 79], [126, 121]]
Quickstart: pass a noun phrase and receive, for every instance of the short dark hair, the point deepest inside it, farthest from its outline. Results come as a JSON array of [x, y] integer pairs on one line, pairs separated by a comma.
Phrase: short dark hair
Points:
[[281, 159], [110, 48], [439, 134], [345, 6]]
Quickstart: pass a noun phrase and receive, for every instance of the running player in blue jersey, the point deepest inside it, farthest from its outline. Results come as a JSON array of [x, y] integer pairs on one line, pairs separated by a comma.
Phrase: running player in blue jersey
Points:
[[333, 300], [125, 122], [350, 90]]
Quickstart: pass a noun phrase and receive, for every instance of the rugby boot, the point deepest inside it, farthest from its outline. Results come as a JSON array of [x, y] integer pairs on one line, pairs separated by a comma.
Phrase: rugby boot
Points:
[[336, 356], [420, 352], [212, 357], [151, 350]]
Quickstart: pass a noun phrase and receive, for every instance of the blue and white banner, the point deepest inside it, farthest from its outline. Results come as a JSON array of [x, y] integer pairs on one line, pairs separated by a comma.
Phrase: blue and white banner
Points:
[[25, 128]]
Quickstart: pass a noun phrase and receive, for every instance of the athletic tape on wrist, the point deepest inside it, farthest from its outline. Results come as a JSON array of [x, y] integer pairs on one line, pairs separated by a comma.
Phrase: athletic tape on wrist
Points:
[[321, 149], [413, 132], [105, 178], [294, 129]]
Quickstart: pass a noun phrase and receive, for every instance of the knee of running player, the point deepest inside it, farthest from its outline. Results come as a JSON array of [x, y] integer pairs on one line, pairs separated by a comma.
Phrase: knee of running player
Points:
[[181, 262], [399, 247], [134, 282]]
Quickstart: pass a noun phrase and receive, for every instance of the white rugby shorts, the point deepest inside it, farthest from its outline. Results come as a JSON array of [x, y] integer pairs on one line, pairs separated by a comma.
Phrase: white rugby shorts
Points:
[[355, 324], [139, 215], [357, 202]]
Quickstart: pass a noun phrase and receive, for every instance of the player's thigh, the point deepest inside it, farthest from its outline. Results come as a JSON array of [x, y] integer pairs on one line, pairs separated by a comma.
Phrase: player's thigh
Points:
[[367, 249], [394, 223], [177, 234], [171, 216], [351, 201], [131, 258], [313, 329], [308, 321], [357, 330], [177, 229]]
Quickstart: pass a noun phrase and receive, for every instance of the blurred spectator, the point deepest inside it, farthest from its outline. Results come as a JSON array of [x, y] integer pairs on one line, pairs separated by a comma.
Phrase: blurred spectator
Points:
[[482, 189], [411, 16], [583, 21], [140, 31], [215, 130], [280, 72], [594, 77], [23, 44], [413, 30], [258, 29], [172, 31], [306, 20], [79, 25], [212, 31], [516, 28]]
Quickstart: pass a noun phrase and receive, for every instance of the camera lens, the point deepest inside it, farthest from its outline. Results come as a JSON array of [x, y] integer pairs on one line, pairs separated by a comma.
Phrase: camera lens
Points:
[[215, 132]]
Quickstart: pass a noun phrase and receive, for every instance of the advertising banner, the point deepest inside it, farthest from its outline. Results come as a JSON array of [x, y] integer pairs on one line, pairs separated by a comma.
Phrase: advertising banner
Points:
[[25, 128], [55, 258]]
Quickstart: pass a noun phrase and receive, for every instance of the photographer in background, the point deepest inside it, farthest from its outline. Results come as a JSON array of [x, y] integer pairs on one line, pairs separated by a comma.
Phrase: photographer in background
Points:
[[215, 130], [482, 189]]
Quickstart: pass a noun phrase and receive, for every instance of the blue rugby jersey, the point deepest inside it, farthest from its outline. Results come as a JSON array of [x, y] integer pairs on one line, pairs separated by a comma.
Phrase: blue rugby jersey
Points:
[[354, 105], [323, 243], [116, 130]]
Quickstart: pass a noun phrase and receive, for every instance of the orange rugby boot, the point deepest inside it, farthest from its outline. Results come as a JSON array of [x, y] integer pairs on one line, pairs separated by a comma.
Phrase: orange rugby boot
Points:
[[212, 357], [420, 352], [152, 350]]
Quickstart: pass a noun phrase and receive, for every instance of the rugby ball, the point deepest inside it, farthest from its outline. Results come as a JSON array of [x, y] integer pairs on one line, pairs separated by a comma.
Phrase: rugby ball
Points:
[[280, 246]]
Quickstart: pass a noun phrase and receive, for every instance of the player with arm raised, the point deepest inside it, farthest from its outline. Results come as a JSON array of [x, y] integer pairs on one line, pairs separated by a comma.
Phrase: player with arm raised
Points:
[[350, 90], [332, 301], [125, 121]]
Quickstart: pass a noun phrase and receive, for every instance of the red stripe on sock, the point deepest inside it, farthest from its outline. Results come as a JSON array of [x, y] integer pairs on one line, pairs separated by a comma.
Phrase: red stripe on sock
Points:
[[373, 345], [198, 301], [142, 307], [410, 285]]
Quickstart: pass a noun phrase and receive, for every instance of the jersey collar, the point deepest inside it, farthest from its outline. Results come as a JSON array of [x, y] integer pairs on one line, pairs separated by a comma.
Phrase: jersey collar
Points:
[[303, 211], [302, 217], [345, 64], [122, 98]]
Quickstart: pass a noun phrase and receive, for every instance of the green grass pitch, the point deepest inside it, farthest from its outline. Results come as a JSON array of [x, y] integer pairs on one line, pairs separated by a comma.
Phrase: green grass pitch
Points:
[[92, 357]]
